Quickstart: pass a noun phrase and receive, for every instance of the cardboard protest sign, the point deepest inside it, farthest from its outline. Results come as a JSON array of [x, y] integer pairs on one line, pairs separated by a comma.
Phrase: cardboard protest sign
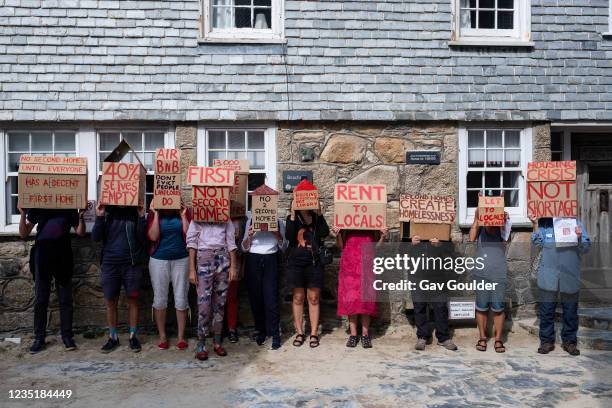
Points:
[[491, 211], [360, 206], [122, 183], [305, 196], [211, 193], [427, 209], [167, 182], [238, 192], [565, 232], [427, 231], [264, 207], [52, 182], [551, 189]]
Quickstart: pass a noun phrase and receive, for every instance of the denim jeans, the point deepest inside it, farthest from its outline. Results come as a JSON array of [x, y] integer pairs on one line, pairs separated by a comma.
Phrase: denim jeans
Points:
[[546, 311]]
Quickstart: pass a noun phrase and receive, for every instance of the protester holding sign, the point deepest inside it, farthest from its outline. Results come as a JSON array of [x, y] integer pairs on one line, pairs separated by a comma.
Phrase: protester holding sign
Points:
[[558, 271], [491, 247], [169, 262], [51, 259], [352, 283], [122, 231], [212, 265], [305, 231]]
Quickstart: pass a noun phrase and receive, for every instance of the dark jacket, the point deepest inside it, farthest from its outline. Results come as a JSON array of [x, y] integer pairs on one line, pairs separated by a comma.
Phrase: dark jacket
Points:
[[135, 228]]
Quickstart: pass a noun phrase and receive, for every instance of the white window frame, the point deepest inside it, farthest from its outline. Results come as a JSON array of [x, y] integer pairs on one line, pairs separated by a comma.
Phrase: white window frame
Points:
[[243, 35], [269, 145], [86, 146], [609, 33], [519, 36], [518, 215]]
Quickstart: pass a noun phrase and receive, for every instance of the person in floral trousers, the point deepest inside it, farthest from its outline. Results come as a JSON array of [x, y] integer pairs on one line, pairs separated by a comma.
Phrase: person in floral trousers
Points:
[[212, 265]]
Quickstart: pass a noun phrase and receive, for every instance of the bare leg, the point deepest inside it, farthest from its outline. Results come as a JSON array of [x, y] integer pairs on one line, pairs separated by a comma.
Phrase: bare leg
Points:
[[353, 324], [160, 320], [314, 309], [181, 321], [111, 313], [365, 325], [298, 309], [481, 320], [498, 322], [133, 313]]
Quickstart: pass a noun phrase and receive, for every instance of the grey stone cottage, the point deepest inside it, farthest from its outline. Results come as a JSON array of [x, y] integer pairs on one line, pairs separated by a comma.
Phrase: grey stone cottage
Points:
[[340, 88]]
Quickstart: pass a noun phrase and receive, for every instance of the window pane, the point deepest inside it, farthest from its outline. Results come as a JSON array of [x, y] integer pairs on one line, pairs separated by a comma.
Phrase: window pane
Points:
[[267, 3], [134, 139], [486, 19], [555, 141], [102, 157], [215, 155], [505, 4], [492, 179], [237, 155], [476, 158], [256, 180], [263, 18], [148, 160], [472, 198], [513, 138], [256, 140], [222, 17], [505, 20], [487, 4], [494, 158], [65, 141], [556, 156], [513, 158], [242, 17], [511, 198], [216, 139], [474, 179], [108, 141], [242, 2], [475, 138], [468, 3], [494, 138], [19, 142], [13, 164], [257, 160], [154, 140], [235, 139], [42, 142], [511, 179]]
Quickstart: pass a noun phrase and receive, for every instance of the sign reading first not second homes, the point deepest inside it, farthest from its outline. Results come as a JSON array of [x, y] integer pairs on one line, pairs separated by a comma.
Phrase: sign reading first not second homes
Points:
[[360, 206], [211, 193]]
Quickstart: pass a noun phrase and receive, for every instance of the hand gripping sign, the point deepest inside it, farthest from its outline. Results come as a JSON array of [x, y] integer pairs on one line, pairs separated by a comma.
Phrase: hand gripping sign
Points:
[[167, 184], [122, 183], [551, 189], [52, 182], [264, 207], [360, 206], [211, 193], [238, 192]]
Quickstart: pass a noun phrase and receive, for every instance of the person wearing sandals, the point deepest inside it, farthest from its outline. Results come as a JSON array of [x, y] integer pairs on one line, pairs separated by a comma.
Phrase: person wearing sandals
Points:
[[352, 300], [169, 263], [491, 245], [212, 265], [305, 231]]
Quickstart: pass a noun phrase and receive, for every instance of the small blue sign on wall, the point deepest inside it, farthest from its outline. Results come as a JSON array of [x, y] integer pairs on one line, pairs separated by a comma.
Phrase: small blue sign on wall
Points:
[[423, 157]]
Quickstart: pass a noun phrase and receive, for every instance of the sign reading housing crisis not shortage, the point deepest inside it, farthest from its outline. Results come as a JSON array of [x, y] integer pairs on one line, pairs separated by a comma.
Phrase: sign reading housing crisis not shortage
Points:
[[551, 189]]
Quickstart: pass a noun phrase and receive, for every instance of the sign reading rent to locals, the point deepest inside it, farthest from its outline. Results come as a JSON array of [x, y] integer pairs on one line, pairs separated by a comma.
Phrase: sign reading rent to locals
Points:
[[167, 185], [427, 209], [52, 182], [551, 189], [491, 211], [238, 192], [264, 207], [211, 193], [360, 206]]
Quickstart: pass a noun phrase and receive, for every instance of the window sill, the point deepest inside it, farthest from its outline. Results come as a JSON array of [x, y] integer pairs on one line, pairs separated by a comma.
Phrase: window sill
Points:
[[608, 34], [208, 40], [491, 43]]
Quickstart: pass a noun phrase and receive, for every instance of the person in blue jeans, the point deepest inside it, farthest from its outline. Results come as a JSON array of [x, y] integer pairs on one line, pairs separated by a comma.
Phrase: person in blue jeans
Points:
[[558, 271], [492, 247]]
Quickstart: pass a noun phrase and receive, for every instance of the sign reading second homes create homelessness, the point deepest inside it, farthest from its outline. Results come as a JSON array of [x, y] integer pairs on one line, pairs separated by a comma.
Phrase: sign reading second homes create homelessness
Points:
[[360, 206], [167, 183], [427, 209], [551, 189], [491, 211], [52, 182], [238, 192]]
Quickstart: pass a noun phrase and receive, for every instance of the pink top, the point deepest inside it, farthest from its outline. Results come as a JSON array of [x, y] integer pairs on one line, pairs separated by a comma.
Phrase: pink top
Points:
[[208, 236]]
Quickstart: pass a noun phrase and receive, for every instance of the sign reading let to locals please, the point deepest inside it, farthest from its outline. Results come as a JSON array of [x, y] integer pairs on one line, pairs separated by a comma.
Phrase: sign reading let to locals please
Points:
[[211, 193], [167, 185], [491, 211], [52, 182], [122, 183], [238, 192], [551, 189], [264, 207], [427, 209], [360, 206]]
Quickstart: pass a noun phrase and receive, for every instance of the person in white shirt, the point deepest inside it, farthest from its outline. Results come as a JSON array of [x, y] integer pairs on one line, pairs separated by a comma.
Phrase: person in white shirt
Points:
[[261, 273]]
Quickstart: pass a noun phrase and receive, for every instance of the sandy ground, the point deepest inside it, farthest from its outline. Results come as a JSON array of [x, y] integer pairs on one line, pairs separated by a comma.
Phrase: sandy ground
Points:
[[390, 374]]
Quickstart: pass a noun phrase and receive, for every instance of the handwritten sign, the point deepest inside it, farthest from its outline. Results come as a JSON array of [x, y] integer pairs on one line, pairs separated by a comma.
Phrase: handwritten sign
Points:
[[264, 209], [52, 182], [210, 176], [551, 189], [565, 232], [122, 184], [167, 182], [461, 309], [306, 200], [211, 204], [238, 192], [427, 209], [360, 206], [491, 211]]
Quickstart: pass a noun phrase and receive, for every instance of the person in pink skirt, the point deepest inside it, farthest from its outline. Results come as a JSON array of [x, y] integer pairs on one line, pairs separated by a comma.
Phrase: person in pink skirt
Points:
[[353, 301]]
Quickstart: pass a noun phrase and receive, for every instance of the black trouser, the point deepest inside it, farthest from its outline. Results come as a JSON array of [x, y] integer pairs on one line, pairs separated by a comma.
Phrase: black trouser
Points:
[[262, 284], [440, 310], [53, 260]]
